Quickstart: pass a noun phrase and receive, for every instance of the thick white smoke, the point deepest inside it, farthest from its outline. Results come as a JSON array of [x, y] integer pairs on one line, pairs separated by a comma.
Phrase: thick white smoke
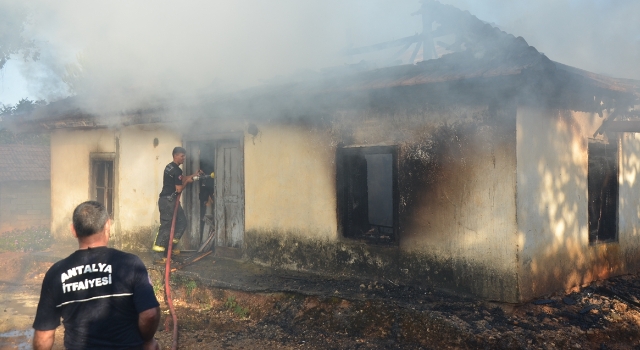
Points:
[[169, 48], [135, 50]]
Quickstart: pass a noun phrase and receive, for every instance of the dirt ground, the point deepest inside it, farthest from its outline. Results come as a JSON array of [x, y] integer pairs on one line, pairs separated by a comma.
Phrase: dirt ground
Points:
[[604, 315]]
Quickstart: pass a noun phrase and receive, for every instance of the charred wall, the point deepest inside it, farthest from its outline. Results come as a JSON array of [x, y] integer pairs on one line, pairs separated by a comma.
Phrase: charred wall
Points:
[[455, 184], [293, 250]]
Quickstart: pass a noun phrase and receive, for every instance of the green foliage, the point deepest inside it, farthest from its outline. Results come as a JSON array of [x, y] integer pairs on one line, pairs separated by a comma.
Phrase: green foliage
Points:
[[158, 286], [8, 137], [232, 304], [9, 113], [190, 286], [31, 239], [24, 107]]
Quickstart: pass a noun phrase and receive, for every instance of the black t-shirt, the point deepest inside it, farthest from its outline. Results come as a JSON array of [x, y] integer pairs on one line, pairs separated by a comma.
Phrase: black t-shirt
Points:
[[172, 177], [99, 293]]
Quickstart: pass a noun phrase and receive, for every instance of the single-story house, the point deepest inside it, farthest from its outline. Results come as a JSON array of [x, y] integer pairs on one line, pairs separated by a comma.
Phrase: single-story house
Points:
[[25, 189], [491, 170]]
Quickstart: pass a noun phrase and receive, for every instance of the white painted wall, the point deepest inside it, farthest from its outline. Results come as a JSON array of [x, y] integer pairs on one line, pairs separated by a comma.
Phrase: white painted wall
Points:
[[70, 162], [140, 169], [290, 182], [554, 247], [138, 173], [629, 205]]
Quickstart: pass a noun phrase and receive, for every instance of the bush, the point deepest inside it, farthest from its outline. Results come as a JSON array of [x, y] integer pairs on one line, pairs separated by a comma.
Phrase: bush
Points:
[[26, 240]]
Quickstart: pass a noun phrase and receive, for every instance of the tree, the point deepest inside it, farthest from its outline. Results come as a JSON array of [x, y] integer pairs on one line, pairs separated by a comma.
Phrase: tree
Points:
[[9, 113], [13, 17]]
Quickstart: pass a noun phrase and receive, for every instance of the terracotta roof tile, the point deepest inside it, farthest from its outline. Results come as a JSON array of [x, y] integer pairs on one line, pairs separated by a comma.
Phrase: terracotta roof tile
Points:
[[24, 162]]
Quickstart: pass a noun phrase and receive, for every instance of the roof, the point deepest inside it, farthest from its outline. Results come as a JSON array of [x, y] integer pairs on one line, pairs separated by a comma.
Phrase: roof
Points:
[[452, 67], [483, 60], [481, 54], [24, 163]]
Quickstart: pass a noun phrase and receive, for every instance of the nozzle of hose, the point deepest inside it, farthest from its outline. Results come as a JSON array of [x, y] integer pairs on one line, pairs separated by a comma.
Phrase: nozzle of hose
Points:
[[201, 177]]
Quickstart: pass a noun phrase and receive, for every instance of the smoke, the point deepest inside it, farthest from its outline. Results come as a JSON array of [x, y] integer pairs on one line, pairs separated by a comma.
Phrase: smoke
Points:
[[600, 36], [158, 49], [132, 52]]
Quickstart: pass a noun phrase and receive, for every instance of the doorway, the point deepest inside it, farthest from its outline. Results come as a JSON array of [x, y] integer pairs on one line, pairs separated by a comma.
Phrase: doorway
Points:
[[216, 206]]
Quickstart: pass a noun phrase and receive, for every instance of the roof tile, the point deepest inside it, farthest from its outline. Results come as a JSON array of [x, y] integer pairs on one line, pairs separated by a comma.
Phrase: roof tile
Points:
[[24, 163]]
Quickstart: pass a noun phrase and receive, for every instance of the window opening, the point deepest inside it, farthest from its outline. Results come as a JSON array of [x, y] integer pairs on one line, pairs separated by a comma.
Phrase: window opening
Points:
[[103, 183], [603, 191], [366, 188]]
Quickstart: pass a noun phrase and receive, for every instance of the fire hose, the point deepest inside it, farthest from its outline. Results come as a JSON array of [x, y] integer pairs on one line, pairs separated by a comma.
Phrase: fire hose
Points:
[[167, 267], [167, 272]]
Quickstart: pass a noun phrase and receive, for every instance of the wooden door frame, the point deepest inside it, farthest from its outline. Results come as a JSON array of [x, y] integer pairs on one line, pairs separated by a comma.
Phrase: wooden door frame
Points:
[[189, 201], [240, 144]]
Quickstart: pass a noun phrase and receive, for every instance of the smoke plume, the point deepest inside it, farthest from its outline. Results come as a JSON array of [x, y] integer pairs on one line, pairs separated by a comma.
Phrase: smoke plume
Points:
[[130, 52]]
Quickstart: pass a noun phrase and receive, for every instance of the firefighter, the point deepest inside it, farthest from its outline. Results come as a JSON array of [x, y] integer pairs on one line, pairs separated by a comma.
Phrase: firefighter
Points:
[[173, 182]]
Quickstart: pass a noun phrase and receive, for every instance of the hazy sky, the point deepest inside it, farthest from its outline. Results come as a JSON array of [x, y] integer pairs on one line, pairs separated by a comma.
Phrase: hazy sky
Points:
[[168, 47]]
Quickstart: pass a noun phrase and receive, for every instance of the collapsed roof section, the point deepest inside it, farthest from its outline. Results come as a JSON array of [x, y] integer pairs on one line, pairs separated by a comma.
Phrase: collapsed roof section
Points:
[[467, 49], [445, 30], [473, 59]]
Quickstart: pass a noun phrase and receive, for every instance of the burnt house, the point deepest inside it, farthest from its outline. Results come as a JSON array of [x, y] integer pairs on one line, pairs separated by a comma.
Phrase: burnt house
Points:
[[489, 169]]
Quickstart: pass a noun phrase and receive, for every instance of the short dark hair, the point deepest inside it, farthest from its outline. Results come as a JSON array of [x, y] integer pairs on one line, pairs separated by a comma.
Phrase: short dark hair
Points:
[[177, 150], [89, 218]]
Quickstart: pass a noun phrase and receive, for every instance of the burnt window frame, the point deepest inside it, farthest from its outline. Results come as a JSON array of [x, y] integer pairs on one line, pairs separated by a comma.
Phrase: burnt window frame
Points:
[[597, 151], [343, 156], [95, 160]]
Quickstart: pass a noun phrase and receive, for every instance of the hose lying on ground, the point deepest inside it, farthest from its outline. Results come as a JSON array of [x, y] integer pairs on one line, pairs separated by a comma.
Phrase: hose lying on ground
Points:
[[167, 272]]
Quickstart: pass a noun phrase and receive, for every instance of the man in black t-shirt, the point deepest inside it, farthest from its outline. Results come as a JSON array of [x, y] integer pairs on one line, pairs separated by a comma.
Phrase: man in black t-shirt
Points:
[[173, 182], [104, 296]]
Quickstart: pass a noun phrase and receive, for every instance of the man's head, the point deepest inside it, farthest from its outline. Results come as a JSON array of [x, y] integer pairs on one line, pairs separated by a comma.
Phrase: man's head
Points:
[[90, 218], [179, 155]]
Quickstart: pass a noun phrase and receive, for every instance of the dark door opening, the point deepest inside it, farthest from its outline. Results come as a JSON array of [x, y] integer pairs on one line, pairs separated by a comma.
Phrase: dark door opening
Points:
[[216, 205], [201, 204], [603, 191], [367, 200]]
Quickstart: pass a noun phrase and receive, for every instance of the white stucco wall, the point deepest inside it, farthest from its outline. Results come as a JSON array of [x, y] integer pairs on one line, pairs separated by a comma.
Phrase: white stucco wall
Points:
[[290, 182], [629, 205], [138, 167], [555, 253], [70, 162]]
